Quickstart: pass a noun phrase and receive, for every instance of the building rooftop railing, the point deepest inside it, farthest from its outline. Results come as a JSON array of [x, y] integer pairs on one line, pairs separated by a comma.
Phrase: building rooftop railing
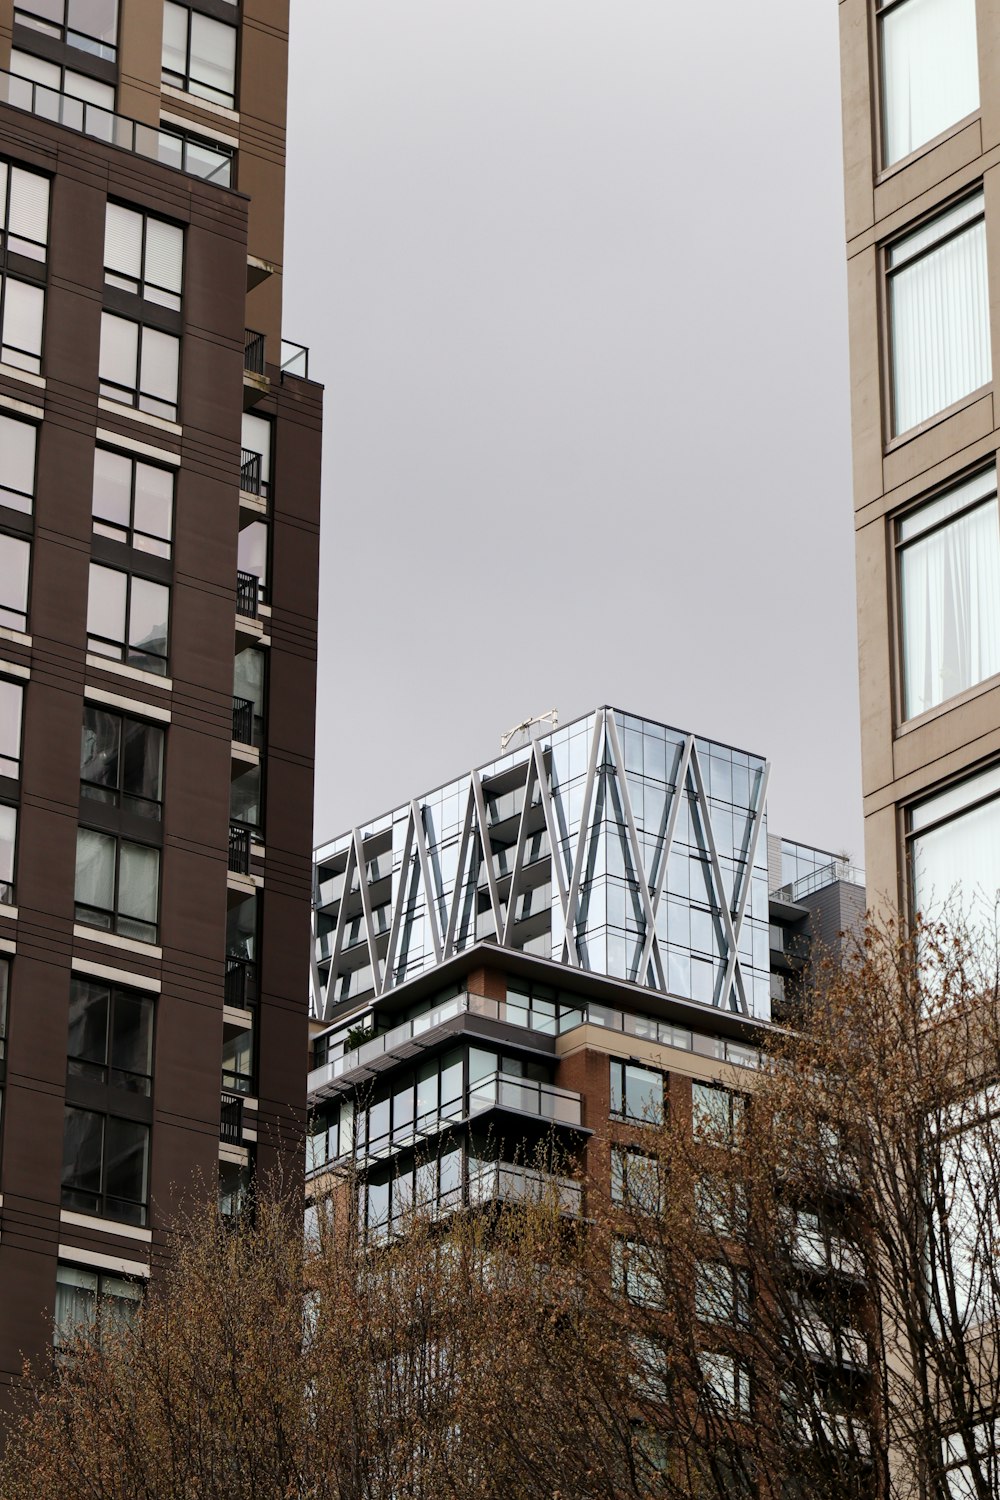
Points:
[[816, 880], [294, 359], [104, 125]]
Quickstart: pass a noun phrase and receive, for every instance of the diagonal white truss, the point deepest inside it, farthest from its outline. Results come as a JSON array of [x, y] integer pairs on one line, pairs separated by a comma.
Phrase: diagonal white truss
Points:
[[414, 876]]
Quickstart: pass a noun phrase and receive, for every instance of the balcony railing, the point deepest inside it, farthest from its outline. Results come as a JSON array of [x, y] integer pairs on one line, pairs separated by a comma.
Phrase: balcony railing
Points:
[[231, 1120], [243, 721], [543, 1100], [241, 983], [6, 893], [253, 351], [294, 359], [104, 125], [247, 595], [252, 481], [501, 1182], [239, 849]]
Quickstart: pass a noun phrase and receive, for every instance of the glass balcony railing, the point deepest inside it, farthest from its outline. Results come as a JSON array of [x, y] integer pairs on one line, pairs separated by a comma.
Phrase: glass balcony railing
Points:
[[164, 146], [501, 1182], [294, 359], [542, 1100]]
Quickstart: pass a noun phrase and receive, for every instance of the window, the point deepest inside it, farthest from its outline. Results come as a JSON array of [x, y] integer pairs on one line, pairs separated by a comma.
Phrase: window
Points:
[[127, 618], [192, 153], [8, 852], [252, 554], [139, 366], [105, 1165], [636, 1093], [24, 212], [635, 1273], [244, 799], [11, 703], [91, 25], [17, 463], [238, 1061], [720, 1205], [117, 885], [957, 1461], [65, 81], [635, 1181], [930, 71], [143, 255], [15, 565], [954, 850], [121, 761], [110, 1035], [949, 587], [716, 1113], [90, 1302], [727, 1382], [133, 502], [22, 312], [199, 54], [255, 468], [939, 314], [248, 688], [721, 1293]]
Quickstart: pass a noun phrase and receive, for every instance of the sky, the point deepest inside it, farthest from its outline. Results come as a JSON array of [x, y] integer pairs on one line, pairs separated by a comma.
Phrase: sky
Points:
[[573, 275]]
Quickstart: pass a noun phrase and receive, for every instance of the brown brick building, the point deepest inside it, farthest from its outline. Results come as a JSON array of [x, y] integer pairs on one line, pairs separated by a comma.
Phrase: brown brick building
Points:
[[159, 514]]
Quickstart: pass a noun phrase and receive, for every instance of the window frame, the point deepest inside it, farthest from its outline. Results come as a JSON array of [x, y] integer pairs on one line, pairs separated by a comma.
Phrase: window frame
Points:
[[930, 795], [125, 647], [8, 888], [62, 31], [115, 1080], [61, 1337], [24, 359], [141, 1205], [8, 494], [143, 287], [149, 809], [191, 138], [114, 912], [136, 397], [18, 619], [205, 91]]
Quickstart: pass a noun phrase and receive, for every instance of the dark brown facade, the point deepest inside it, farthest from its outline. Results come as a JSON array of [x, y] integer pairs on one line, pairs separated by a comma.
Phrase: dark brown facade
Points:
[[154, 921]]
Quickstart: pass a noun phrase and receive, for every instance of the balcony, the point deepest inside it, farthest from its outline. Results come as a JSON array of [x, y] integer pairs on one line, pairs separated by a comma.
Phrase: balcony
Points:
[[115, 130], [240, 990], [543, 1100], [501, 1182], [231, 1120], [247, 596], [294, 359], [243, 721], [239, 849]]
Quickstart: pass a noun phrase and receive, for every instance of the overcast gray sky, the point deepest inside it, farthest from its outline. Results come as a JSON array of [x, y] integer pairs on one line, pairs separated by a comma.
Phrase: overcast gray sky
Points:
[[572, 272]]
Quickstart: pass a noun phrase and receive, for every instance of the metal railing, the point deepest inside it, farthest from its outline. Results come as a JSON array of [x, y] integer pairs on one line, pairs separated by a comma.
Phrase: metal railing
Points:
[[253, 351], [294, 359], [247, 595], [231, 1120], [816, 880], [241, 983], [239, 849], [543, 1100], [104, 125], [243, 721], [252, 472]]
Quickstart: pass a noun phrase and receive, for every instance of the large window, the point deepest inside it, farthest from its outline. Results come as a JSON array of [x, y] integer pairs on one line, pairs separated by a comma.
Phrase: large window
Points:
[[15, 566], [939, 314], [954, 840], [199, 54], [105, 1165], [127, 618], [139, 366], [238, 1061], [24, 212], [636, 1093], [133, 502], [716, 1113], [117, 885], [90, 1302], [121, 761], [110, 1035], [949, 584], [8, 852], [930, 72], [91, 25], [143, 255], [17, 463], [11, 702]]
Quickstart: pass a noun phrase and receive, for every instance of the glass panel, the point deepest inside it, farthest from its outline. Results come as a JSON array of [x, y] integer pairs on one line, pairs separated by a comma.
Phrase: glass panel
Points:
[[119, 351], [158, 375], [15, 564], [123, 246], [175, 28], [252, 552], [106, 607], [213, 59], [76, 1296], [112, 492], [147, 635], [125, 1168], [138, 891], [96, 19], [83, 1142], [950, 593], [100, 747], [142, 769], [154, 506], [80, 86], [11, 699], [257, 437], [244, 800], [89, 1017], [23, 314], [930, 71], [95, 875]]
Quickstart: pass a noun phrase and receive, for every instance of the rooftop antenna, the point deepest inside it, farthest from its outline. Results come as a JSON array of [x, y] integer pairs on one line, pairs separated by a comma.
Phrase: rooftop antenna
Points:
[[529, 729]]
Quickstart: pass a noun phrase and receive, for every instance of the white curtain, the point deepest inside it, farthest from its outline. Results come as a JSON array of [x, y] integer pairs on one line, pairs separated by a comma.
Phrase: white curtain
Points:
[[930, 71], [956, 868], [940, 328], [951, 609]]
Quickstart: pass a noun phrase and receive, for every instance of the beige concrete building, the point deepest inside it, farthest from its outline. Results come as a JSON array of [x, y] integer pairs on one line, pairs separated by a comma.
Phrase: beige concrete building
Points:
[[921, 99]]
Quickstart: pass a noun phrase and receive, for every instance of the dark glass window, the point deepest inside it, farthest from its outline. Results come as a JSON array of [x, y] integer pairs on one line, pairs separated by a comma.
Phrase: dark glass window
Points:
[[117, 885], [133, 502], [105, 1165], [636, 1093], [127, 618], [121, 761], [248, 687], [91, 25], [244, 798], [110, 1035], [716, 1113], [238, 1074]]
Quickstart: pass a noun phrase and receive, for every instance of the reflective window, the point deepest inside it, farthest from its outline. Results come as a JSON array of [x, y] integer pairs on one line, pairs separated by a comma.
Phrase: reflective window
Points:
[[17, 463], [121, 761], [11, 703], [636, 1093], [117, 885], [105, 1165], [949, 584], [954, 842], [939, 314], [91, 25], [139, 366], [110, 1035], [244, 798], [133, 502], [24, 212], [636, 1272], [194, 154], [716, 1113], [144, 255], [88, 1303], [199, 54], [930, 70], [8, 852], [635, 1181], [127, 618], [15, 567]]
